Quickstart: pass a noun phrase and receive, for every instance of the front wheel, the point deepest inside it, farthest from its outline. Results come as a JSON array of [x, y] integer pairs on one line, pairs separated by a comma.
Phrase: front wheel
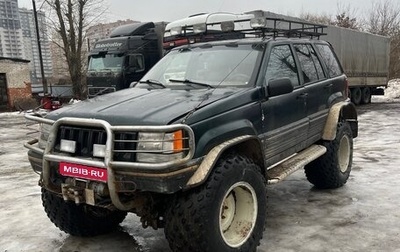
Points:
[[227, 213], [80, 220], [333, 168]]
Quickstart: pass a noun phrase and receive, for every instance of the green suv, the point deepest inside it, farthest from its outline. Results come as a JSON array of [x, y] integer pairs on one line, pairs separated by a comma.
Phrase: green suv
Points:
[[193, 145]]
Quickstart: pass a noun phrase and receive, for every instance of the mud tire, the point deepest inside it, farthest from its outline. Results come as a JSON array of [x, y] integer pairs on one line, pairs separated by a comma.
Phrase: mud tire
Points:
[[196, 221], [80, 220], [333, 168]]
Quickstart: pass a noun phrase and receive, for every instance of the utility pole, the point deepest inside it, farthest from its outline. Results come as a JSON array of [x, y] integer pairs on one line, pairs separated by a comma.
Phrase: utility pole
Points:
[[45, 89]]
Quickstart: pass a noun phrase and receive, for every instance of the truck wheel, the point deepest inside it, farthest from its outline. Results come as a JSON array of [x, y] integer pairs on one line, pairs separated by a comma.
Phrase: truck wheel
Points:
[[226, 213], [333, 168], [366, 95], [356, 95], [80, 220]]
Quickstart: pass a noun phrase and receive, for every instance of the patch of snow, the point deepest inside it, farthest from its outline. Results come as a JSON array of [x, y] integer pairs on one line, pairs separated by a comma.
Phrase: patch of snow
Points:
[[73, 101], [392, 92], [393, 89]]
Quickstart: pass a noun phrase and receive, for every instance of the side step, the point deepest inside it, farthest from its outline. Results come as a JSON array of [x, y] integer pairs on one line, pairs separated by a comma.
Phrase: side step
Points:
[[287, 167]]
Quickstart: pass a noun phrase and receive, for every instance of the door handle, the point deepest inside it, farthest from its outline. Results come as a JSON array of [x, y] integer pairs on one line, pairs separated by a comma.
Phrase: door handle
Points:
[[328, 86], [302, 96]]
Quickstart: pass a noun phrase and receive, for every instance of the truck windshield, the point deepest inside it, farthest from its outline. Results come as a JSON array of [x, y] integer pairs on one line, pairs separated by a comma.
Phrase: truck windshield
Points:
[[106, 62], [225, 65]]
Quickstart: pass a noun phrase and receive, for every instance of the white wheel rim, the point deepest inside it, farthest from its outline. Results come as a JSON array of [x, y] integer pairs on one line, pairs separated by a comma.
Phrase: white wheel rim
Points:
[[344, 153], [238, 214]]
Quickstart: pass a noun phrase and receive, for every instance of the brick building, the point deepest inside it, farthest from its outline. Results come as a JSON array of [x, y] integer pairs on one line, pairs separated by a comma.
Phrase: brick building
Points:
[[14, 81]]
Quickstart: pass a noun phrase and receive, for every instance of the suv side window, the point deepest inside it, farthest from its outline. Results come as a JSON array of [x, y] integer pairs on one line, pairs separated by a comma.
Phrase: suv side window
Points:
[[317, 63], [309, 70], [330, 60], [281, 64]]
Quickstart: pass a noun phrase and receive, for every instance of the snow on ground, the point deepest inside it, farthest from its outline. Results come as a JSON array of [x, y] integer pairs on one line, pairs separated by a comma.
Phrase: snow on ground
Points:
[[392, 92]]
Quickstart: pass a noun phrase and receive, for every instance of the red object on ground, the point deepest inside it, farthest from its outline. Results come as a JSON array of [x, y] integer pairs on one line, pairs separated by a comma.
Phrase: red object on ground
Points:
[[46, 102]]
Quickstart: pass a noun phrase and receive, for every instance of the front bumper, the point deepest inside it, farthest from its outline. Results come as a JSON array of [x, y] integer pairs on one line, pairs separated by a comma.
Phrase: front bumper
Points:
[[123, 177]]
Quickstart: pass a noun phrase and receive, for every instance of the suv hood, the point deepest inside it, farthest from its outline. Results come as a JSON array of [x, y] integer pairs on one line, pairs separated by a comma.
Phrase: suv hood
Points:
[[140, 106]]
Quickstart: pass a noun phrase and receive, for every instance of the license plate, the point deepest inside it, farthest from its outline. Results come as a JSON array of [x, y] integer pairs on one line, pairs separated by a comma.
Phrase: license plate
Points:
[[83, 172]]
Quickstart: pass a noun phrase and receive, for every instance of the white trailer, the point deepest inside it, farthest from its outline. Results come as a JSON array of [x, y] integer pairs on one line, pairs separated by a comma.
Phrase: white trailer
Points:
[[365, 59]]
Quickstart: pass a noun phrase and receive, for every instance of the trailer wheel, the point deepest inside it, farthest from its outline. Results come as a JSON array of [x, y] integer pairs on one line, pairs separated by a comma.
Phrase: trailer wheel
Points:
[[80, 220], [226, 213], [356, 95], [333, 168], [366, 95]]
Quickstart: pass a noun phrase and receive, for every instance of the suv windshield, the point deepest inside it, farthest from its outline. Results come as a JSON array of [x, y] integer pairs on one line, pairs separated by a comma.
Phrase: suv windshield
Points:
[[106, 62], [209, 65]]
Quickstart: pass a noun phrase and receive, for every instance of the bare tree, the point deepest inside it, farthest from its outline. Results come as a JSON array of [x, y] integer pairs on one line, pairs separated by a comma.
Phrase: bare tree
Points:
[[343, 20], [346, 18], [70, 19], [319, 19], [384, 19]]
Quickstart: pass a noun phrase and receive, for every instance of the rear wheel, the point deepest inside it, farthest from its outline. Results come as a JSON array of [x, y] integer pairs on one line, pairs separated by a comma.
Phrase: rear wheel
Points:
[[227, 213], [333, 168], [356, 95], [366, 95], [80, 220]]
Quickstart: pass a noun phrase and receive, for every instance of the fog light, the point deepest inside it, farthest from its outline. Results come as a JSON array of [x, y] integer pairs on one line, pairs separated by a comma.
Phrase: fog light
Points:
[[258, 22], [99, 150], [227, 26], [176, 30], [199, 28], [68, 146]]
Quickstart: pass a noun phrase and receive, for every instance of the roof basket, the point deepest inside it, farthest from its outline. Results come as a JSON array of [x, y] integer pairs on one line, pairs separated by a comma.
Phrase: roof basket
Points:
[[220, 26]]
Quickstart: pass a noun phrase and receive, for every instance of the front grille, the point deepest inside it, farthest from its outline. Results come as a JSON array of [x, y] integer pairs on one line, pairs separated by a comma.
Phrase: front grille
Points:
[[124, 146], [84, 138], [124, 142]]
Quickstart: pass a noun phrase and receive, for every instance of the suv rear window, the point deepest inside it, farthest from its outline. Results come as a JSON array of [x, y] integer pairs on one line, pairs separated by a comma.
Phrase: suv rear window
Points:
[[330, 60]]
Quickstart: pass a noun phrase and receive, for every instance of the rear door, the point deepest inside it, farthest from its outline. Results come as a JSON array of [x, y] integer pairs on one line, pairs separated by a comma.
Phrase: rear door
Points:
[[318, 88]]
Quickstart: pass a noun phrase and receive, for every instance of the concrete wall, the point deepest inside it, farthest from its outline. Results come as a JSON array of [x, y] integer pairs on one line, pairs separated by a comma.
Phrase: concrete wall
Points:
[[18, 79]]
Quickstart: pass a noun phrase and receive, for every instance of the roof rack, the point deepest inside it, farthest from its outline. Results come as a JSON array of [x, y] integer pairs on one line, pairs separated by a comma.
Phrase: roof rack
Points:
[[221, 26]]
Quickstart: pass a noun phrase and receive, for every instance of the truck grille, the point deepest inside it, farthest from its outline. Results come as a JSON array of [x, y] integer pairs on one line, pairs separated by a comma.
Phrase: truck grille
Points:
[[85, 138]]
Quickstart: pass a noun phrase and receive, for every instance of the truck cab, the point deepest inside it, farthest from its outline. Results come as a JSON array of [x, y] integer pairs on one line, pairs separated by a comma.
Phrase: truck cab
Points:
[[114, 63]]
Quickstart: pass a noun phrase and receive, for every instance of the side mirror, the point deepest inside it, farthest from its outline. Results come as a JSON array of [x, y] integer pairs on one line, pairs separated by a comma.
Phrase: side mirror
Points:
[[279, 87], [133, 84]]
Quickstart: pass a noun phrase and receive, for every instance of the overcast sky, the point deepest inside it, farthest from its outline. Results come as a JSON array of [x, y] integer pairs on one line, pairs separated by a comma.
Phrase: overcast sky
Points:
[[163, 10]]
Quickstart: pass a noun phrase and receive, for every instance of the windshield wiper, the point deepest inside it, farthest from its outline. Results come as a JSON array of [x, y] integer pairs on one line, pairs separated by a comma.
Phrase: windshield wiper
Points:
[[189, 82], [153, 83]]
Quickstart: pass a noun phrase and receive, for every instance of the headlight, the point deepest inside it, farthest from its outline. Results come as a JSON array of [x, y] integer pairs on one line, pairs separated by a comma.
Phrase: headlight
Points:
[[44, 135], [159, 147]]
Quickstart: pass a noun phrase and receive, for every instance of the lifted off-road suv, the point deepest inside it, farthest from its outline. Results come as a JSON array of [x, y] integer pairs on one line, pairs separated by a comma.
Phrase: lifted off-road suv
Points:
[[192, 146]]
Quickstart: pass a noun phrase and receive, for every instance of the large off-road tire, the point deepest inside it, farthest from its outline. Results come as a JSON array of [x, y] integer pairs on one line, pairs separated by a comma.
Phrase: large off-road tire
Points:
[[356, 95], [333, 168], [226, 213], [80, 220]]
